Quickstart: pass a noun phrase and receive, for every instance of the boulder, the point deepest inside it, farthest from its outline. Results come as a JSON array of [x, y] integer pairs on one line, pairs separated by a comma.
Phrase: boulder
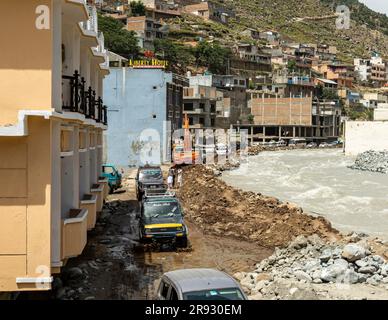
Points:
[[301, 275], [367, 269], [326, 255], [353, 252], [334, 271], [350, 277], [384, 270]]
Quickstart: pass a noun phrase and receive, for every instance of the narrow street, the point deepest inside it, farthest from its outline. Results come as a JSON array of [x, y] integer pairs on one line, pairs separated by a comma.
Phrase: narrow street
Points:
[[115, 266]]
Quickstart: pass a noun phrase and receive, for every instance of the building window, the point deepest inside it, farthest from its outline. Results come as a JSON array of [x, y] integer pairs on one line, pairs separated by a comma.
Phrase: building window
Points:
[[189, 106]]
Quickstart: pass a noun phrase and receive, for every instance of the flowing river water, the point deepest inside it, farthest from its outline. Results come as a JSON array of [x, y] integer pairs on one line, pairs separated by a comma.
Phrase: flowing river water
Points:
[[321, 183]]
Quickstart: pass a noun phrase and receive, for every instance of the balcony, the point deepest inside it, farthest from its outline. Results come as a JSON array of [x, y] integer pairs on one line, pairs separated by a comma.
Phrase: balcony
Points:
[[91, 25], [82, 100], [98, 191], [74, 233], [89, 203]]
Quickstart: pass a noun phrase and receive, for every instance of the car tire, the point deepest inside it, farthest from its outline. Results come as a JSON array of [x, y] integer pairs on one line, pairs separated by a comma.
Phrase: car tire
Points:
[[183, 242]]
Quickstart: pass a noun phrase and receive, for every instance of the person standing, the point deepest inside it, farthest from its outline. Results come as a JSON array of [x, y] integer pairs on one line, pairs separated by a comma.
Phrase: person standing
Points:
[[170, 181], [180, 178]]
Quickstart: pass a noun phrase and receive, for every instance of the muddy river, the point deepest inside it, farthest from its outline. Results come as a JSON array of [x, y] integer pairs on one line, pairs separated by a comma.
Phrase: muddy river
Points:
[[320, 182]]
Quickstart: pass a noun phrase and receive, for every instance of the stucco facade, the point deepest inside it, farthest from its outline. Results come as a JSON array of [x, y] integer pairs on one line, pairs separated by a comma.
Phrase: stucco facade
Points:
[[140, 110], [50, 141]]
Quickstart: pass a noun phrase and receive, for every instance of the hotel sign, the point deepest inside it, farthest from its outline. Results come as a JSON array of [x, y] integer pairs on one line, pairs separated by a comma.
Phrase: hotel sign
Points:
[[148, 64]]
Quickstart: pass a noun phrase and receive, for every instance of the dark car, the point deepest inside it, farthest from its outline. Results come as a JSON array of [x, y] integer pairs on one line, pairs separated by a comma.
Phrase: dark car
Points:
[[161, 220], [148, 178]]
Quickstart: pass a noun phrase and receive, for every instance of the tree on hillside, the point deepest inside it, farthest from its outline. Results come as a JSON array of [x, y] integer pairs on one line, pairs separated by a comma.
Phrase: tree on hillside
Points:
[[118, 39], [176, 54], [137, 8], [212, 56]]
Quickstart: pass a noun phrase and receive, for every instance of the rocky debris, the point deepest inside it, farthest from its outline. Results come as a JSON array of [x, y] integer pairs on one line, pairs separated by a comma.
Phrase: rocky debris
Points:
[[308, 264], [227, 166], [220, 209], [353, 252], [374, 161]]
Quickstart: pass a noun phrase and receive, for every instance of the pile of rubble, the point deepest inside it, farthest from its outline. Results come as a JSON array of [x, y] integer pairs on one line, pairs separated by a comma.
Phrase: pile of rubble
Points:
[[375, 161], [309, 267], [222, 210]]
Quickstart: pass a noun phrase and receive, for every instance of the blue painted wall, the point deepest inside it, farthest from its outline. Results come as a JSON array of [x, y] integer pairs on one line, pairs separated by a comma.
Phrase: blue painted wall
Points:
[[136, 100]]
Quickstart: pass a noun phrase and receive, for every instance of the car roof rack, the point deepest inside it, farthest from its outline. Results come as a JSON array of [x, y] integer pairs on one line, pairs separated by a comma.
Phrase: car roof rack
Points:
[[159, 193]]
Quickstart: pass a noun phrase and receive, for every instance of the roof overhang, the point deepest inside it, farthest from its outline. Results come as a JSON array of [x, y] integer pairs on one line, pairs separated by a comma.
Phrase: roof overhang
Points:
[[75, 10]]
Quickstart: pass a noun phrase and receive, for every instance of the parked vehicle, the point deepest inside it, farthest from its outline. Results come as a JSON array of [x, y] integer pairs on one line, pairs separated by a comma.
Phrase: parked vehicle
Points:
[[324, 145], [199, 284], [336, 143], [113, 175], [297, 142], [281, 143], [161, 219], [312, 145], [148, 178]]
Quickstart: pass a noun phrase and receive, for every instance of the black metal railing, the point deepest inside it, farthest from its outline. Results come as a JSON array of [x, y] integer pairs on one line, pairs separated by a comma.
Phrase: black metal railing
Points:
[[82, 100]]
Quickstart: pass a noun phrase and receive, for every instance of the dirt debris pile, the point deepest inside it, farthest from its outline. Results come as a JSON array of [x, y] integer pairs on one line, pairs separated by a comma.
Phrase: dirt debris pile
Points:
[[222, 210], [303, 269]]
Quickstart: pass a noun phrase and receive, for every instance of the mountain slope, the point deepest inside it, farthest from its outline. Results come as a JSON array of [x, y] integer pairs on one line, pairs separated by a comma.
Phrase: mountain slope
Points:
[[368, 31]]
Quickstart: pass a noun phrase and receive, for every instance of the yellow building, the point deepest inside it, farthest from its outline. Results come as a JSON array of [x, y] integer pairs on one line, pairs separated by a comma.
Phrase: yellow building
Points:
[[52, 65]]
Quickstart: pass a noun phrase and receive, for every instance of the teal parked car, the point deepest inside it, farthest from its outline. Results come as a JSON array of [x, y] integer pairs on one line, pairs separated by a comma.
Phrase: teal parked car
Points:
[[113, 175]]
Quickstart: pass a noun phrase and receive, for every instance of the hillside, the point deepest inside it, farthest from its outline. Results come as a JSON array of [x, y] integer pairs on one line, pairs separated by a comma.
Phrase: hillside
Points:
[[307, 21]]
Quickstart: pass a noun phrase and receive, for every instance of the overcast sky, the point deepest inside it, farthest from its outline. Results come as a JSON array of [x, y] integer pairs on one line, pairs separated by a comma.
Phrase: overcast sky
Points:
[[377, 5]]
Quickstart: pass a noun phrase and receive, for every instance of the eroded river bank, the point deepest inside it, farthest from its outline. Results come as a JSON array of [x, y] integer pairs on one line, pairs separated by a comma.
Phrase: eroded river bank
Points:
[[322, 184]]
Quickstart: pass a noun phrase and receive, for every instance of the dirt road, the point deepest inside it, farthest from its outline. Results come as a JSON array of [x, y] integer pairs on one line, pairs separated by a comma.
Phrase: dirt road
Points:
[[115, 266]]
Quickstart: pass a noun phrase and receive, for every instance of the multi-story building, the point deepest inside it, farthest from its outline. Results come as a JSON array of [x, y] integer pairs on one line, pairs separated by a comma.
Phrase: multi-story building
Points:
[[373, 70], [147, 29], [145, 103], [373, 99], [200, 106], [288, 118], [210, 11], [51, 130], [231, 96], [340, 73]]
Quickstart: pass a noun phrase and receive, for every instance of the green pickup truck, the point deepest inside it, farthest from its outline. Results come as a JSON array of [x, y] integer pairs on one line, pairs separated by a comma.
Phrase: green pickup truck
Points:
[[113, 175]]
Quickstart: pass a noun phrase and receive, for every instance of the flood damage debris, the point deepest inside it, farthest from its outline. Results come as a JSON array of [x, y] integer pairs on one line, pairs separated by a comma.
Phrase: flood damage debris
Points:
[[374, 161]]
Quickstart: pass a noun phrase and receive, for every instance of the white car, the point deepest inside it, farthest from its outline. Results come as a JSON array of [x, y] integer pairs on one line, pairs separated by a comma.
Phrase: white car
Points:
[[199, 284]]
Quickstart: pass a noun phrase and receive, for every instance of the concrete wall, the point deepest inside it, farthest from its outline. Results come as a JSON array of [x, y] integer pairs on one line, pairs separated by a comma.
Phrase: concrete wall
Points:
[[25, 59], [381, 113], [25, 206], [361, 136], [137, 100]]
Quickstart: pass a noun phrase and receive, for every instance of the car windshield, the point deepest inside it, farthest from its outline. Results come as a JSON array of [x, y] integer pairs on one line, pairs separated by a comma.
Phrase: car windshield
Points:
[[150, 175], [166, 211], [215, 294]]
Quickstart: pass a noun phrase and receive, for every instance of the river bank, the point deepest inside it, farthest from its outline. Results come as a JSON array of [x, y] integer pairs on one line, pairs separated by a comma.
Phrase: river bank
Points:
[[321, 182], [217, 208]]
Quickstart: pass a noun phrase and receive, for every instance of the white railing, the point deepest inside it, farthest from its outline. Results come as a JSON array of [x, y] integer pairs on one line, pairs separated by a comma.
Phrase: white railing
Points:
[[92, 23]]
